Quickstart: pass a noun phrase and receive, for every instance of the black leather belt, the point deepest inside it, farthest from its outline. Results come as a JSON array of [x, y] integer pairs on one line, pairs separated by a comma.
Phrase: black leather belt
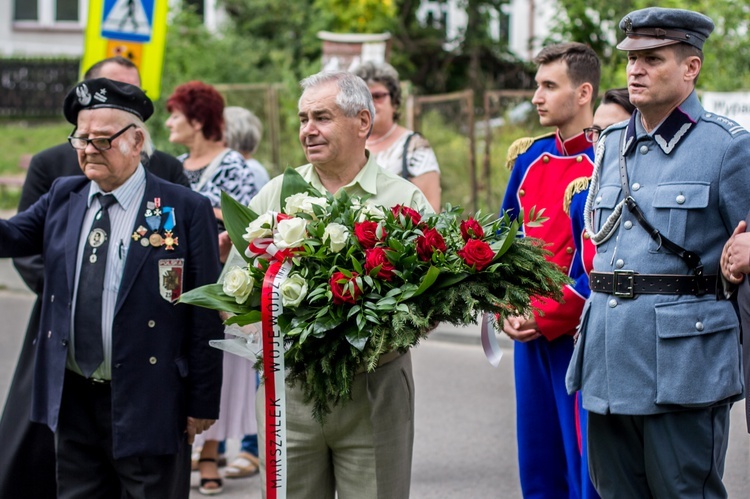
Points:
[[627, 284]]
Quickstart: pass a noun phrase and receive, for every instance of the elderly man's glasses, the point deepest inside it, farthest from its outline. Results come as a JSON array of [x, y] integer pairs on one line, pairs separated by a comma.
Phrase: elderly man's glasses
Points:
[[592, 133], [379, 96], [99, 143]]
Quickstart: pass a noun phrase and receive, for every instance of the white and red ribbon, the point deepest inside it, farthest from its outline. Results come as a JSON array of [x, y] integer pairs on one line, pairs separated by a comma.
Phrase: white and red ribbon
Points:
[[273, 369]]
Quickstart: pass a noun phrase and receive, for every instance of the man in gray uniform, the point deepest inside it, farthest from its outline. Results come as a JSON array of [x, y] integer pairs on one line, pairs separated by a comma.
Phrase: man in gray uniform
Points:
[[658, 358]]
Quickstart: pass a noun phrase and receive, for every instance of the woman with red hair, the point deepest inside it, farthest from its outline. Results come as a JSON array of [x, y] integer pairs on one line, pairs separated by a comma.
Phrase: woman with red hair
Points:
[[196, 121]]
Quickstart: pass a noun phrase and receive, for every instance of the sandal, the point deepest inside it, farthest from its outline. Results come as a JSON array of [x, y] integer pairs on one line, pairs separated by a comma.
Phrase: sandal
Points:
[[218, 487], [244, 465]]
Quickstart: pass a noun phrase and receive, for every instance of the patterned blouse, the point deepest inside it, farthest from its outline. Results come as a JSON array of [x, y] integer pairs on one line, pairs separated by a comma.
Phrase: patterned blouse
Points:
[[231, 176]]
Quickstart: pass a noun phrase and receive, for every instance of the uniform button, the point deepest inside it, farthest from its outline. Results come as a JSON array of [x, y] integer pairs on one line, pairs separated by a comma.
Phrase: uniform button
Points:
[[545, 158], [644, 149], [586, 235], [680, 199], [579, 159], [64, 343], [152, 360], [708, 115], [118, 365], [569, 250], [151, 323], [521, 192], [628, 224], [49, 334], [699, 326], [612, 303], [636, 186], [598, 200], [619, 263], [52, 299]]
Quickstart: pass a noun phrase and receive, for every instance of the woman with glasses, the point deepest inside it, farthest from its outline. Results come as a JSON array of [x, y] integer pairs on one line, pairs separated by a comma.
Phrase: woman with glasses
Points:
[[614, 108], [395, 148]]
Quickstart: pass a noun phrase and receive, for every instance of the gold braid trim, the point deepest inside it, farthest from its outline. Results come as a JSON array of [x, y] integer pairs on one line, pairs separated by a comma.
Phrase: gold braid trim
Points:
[[519, 147], [578, 185]]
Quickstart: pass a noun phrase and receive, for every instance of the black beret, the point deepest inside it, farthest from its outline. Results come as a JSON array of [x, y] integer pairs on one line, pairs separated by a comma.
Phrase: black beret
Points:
[[102, 92], [656, 27]]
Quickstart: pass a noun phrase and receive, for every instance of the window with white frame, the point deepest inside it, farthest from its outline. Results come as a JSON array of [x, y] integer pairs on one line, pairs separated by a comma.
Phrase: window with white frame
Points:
[[48, 12]]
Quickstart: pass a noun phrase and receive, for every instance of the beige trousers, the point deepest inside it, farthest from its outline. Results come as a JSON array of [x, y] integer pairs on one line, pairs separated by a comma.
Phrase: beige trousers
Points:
[[364, 449]]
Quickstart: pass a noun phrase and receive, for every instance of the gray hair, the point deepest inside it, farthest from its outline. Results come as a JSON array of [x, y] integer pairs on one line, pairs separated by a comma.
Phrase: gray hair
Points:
[[126, 118], [386, 75], [243, 129], [353, 95]]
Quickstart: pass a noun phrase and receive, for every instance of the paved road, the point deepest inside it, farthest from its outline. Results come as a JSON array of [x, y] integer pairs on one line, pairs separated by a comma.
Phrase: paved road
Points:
[[465, 423]]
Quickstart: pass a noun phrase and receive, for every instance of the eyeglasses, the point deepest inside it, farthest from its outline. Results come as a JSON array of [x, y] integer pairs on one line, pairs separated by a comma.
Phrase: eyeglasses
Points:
[[379, 96], [99, 143], [592, 133]]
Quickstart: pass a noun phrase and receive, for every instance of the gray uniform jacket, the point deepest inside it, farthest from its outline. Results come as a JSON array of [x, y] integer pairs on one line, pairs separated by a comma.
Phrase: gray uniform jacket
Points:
[[659, 353]]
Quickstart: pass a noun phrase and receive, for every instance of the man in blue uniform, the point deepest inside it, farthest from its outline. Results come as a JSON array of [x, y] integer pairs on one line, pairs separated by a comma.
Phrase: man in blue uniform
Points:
[[549, 451], [658, 358]]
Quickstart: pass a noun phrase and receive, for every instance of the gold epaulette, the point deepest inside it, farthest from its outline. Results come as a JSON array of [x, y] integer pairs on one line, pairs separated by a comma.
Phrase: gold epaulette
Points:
[[578, 185], [519, 147]]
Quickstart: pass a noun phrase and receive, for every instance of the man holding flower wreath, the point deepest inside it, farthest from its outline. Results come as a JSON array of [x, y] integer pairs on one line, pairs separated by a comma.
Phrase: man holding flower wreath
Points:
[[363, 449]]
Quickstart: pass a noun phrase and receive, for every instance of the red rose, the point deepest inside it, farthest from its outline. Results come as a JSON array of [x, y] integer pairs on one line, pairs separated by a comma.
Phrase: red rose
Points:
[[408, 212], [429, 242], [367, 235], [476, 253], [375, 257], [342, 292], [470, 229]]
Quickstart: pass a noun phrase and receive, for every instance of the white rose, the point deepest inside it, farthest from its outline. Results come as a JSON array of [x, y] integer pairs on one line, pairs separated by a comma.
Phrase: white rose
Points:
[[290, 233], [238, 284], [302, 202], [293, 290], [260, 227], [370, 212], [337, 234]]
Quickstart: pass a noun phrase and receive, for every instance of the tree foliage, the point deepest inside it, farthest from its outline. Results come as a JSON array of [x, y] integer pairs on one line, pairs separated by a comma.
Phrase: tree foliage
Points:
[[727, 51], [473, 60]]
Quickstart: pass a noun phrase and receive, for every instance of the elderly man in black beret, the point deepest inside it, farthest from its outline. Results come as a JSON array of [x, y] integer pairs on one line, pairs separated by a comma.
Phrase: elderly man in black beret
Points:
[[658, 358], [123, 376]]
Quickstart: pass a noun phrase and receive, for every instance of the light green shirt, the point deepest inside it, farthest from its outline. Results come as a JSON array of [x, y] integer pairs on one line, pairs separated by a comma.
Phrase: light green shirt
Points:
[[385, 189]]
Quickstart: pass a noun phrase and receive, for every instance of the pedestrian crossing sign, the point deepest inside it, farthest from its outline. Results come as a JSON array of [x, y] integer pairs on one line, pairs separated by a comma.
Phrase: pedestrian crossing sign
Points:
[[128, 20], [134, 29]]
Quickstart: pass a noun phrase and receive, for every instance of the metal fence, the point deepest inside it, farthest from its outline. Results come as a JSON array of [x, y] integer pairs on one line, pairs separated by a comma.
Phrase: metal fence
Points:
[[460, 132], [263, 100], [35, 88]]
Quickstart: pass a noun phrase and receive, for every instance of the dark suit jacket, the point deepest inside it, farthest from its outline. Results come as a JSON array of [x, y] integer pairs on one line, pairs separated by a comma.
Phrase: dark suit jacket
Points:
[[62, 161], [163, 368]]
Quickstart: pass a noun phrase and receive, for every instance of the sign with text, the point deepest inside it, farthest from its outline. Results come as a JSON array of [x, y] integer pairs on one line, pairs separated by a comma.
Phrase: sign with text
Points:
[[733, 105], [134, 29]]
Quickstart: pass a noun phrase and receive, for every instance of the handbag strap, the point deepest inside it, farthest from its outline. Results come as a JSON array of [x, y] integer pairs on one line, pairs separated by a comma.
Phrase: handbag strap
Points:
[[404, 161], [208, 173], [691, 259]]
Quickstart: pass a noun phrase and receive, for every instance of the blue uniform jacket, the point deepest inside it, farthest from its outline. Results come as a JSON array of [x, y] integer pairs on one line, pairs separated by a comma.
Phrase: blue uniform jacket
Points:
[[163, 369], [658, 353]]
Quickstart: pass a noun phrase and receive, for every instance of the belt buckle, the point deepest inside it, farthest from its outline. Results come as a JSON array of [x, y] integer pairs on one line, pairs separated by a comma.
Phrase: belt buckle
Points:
[[628, 275]]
